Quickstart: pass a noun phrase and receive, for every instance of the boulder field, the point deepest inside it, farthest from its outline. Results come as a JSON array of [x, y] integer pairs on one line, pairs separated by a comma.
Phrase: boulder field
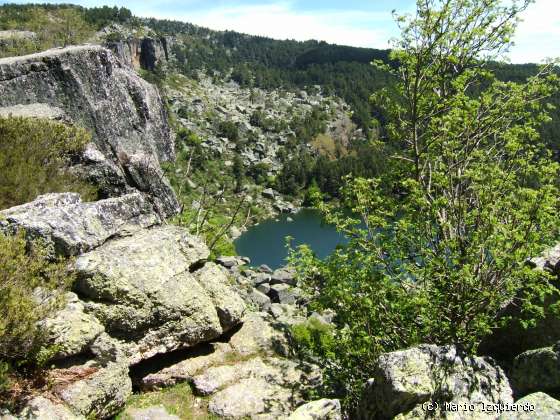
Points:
[[144, 290]]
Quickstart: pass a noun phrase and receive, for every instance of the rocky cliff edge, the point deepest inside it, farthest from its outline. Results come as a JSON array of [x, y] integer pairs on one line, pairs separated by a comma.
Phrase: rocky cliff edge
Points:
[[90, 87]]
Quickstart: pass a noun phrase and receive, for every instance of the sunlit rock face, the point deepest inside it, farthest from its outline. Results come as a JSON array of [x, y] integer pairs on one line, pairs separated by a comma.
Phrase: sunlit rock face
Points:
[[90, 87]]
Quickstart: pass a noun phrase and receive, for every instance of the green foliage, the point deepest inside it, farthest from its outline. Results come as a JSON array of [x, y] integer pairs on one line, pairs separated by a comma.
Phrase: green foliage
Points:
[[178, 400], [155, 76], [103, 16], [303, 170], [53, 25], [315, 337], [34, 155], [229, 130], [439, 242], [259, 173], [309, 125], [4, 377], [238, 171], [187, 138], [114, 37], [258, 119], [30, 287], [209, 193], [312, 195]]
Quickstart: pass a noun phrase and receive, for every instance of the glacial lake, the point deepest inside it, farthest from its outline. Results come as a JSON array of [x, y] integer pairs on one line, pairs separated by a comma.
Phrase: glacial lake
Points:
[[266, 243]]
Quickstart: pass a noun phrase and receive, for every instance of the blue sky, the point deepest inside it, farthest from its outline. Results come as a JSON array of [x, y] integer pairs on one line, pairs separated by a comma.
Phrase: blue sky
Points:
[[363, 23]]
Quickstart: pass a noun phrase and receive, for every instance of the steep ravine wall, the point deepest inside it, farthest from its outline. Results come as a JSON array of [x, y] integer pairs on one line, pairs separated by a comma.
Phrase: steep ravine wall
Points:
[[145, 53], [89, 86]]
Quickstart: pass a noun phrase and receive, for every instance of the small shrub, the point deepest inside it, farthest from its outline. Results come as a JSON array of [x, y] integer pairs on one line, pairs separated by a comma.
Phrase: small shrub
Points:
[[34, 158], [114, 37], [229, 130], [31, 286], [313, 337]]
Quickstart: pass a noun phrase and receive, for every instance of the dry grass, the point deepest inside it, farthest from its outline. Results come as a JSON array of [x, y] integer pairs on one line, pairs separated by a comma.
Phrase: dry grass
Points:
[[61, 378], [328, 147]]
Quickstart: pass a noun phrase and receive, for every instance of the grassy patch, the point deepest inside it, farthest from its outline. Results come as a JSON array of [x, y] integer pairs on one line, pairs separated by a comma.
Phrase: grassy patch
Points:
[[178, 400], [52, 26]]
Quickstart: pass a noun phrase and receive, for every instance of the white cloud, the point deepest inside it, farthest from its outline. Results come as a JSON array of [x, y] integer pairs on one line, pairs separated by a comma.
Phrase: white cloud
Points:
[[279, 20], [538, 36]]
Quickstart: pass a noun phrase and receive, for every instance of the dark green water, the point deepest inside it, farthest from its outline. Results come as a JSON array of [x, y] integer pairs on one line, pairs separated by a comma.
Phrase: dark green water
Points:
[[266, 243]]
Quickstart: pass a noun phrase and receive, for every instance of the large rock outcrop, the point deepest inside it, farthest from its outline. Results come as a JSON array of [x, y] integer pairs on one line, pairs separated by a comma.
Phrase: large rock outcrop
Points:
[[146, 53], [406, 379], [89, 86], [142, 289], [153, 291], [128, 51], [152, 52], [72, 226], [536, 370]]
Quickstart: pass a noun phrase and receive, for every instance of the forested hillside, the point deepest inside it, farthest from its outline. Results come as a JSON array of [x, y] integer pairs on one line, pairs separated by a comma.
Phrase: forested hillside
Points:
[[252, 61], [341, 70]]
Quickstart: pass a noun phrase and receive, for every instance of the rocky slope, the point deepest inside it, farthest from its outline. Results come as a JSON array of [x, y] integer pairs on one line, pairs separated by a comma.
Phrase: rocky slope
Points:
[[90, 87], [143, 291], [202, 104]]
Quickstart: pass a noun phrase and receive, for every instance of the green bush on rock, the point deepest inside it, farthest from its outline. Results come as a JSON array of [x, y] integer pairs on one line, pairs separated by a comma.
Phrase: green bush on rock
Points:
[[34, 155], [30, 289]]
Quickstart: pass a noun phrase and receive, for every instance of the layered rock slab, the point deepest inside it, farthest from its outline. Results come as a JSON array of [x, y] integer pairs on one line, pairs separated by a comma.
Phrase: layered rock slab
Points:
[[88, 86], [146, 290], [244, 378], [256, 336], [406, 379], [258, 388], [72, 226]]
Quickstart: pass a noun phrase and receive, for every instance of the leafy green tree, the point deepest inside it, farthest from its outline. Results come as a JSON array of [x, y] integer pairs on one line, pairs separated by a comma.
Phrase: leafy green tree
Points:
[[73, 28], [229, 130], [438, 244]]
